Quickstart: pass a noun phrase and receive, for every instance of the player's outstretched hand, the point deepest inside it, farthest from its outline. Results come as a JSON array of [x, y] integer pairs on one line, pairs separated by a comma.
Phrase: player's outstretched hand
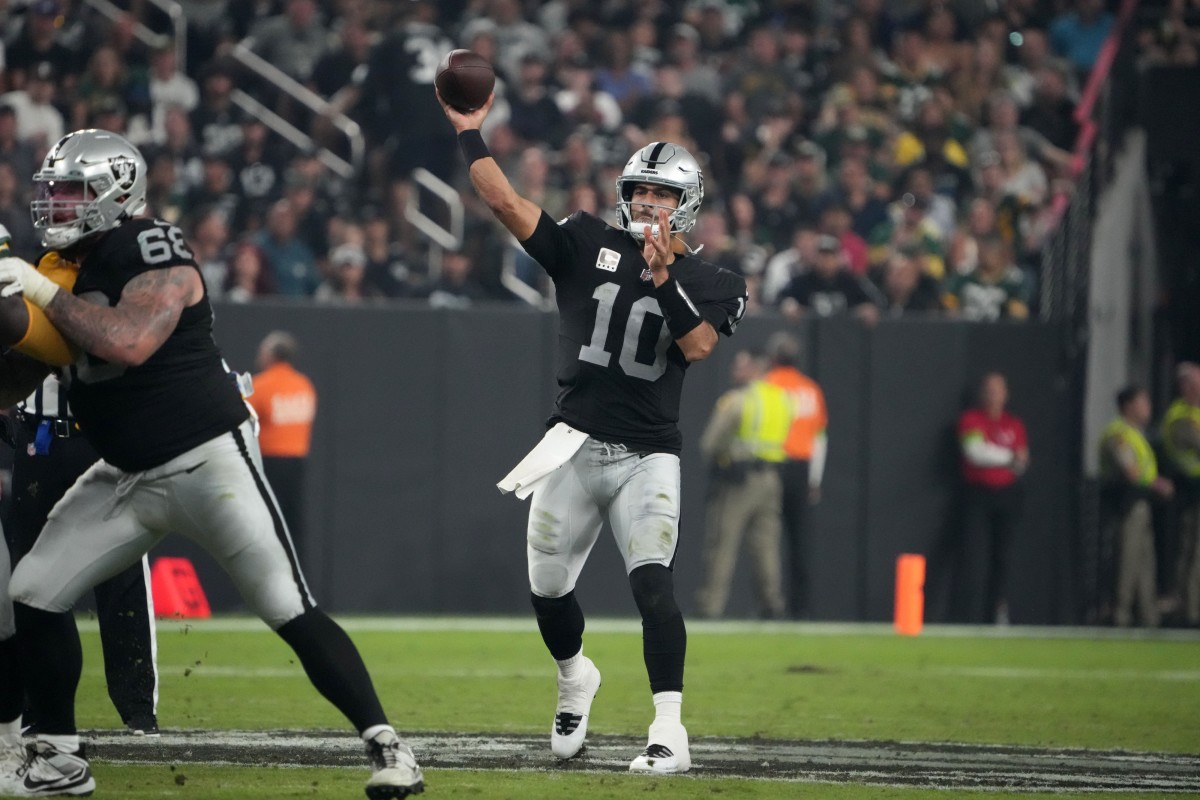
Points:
[[11, 271], [657, 247], [465, 120], [18, 276]]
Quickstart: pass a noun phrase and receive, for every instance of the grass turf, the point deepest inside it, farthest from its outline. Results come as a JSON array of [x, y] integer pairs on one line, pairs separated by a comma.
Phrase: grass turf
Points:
[[261, 783], [1126, 694], [1106, 694]]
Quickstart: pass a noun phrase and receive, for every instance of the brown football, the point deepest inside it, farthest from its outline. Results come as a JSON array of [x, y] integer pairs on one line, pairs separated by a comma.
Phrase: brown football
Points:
[[465, 79]]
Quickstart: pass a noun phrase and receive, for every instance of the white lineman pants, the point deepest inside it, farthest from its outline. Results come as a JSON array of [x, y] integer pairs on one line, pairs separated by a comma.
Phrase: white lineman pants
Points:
[[637, 495], [215, 494]]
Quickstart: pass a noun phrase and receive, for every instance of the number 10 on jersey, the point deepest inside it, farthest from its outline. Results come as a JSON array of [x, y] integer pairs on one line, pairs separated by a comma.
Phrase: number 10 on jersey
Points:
[[594, 352]]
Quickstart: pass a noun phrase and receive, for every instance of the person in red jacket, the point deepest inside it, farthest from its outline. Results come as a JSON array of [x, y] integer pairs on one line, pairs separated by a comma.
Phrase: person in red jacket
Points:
[[995, 454]]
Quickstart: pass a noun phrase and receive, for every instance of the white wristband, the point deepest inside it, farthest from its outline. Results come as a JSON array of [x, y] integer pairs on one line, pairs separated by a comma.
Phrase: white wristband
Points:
[[39, 289]]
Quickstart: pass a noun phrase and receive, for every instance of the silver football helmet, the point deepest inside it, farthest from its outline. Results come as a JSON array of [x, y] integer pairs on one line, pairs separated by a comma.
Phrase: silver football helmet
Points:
[[89, 182], [665, 164]]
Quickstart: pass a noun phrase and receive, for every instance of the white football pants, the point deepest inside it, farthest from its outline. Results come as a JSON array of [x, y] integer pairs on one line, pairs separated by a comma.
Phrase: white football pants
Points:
[[637, 495], [215, 494]]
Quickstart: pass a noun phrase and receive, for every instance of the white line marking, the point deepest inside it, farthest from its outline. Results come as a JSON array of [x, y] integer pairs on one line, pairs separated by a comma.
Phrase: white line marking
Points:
[[436, 624], [1024, 673], [984, 672]]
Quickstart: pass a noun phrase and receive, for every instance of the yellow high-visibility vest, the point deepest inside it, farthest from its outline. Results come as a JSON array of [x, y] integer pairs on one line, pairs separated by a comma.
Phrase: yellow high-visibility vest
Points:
[[1181, 413], [1147, 465], [766, 421]]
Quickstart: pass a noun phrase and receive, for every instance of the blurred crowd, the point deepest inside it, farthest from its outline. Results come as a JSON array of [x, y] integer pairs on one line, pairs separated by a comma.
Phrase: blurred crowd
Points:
[[860, 156]]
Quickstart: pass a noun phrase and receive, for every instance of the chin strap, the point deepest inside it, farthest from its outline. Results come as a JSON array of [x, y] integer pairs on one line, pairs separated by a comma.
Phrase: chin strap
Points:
[[677, 238]]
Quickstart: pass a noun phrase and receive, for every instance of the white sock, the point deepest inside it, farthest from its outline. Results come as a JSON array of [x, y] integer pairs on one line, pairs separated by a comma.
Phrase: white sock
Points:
[[668, 706], [571, 668], [373, 731], [63, 743]]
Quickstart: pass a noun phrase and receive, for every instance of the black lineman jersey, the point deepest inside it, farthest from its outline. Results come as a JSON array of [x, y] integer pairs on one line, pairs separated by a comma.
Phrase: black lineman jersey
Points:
[[140, 417], [620, 373]]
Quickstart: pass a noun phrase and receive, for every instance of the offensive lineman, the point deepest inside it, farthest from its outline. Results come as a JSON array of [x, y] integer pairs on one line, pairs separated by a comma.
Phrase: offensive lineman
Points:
[[177, 450], [634, 310]]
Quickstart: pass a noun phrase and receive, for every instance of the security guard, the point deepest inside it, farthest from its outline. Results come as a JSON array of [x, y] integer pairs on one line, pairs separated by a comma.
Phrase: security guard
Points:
[[286, 404], [806, 447], [1129, 480], [744, 444], [1181, 442]]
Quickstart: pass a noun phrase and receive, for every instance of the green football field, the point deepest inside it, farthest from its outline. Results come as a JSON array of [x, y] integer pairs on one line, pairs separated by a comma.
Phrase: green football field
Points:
[[750, 687]]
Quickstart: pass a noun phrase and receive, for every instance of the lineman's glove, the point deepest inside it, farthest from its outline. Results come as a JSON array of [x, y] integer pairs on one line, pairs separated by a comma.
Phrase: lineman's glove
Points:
[[17, 276]]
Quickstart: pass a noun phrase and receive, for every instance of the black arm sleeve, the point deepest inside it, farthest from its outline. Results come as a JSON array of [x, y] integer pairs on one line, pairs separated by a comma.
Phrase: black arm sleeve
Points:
[[550, 245], [718, 295]]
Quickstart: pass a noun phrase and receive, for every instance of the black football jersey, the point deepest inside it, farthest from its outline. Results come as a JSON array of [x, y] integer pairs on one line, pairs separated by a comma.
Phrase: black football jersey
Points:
[[182, 396], [619, 371]]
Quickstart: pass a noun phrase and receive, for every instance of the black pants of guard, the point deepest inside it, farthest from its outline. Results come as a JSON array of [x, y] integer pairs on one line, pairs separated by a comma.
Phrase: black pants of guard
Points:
[[795, 516], [122, 602], [286, 476], [989, 521]]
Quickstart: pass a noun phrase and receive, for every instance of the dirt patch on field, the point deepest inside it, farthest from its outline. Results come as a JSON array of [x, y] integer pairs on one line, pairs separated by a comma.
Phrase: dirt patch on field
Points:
[[941, 766]]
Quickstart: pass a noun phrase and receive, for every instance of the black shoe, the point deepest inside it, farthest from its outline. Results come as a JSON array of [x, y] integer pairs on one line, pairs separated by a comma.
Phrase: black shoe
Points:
[[143, 725]]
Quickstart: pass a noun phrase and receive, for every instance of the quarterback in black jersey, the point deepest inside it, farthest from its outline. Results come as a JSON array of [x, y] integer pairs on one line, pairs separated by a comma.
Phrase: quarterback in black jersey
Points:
[[636, 307], [178, 453]]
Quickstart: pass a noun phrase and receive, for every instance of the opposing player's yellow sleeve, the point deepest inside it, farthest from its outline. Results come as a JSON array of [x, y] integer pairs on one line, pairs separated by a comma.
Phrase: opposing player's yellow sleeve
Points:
[[42, 340]]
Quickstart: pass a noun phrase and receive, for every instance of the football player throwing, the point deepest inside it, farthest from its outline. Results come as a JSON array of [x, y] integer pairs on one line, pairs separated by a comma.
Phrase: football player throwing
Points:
[[636, 307]]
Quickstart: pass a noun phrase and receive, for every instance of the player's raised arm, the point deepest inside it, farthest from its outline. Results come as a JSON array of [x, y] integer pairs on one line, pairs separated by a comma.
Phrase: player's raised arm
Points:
[[517, 214]]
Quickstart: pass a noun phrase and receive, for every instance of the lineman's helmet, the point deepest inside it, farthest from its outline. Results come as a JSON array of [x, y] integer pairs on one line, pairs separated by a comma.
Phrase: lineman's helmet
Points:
[[90, 181]]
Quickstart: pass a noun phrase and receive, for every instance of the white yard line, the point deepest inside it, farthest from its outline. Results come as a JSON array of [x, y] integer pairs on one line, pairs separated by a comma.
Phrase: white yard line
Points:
[[439, 624], [982, 672]]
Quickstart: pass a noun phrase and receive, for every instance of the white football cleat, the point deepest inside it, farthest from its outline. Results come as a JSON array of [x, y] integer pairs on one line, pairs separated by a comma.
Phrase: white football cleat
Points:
[[396, 773], [667, 751], [571, 715], [49, 772]]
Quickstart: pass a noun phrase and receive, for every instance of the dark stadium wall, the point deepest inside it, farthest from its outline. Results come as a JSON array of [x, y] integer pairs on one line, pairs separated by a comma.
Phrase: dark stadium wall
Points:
[[421, 411]]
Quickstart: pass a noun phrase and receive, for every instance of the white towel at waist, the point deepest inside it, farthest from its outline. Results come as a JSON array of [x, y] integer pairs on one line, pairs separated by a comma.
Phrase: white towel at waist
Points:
[[555, 449]]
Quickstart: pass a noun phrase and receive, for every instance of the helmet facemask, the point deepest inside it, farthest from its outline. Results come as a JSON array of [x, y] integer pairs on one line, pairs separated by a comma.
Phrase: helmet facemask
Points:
[[61, 210]]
